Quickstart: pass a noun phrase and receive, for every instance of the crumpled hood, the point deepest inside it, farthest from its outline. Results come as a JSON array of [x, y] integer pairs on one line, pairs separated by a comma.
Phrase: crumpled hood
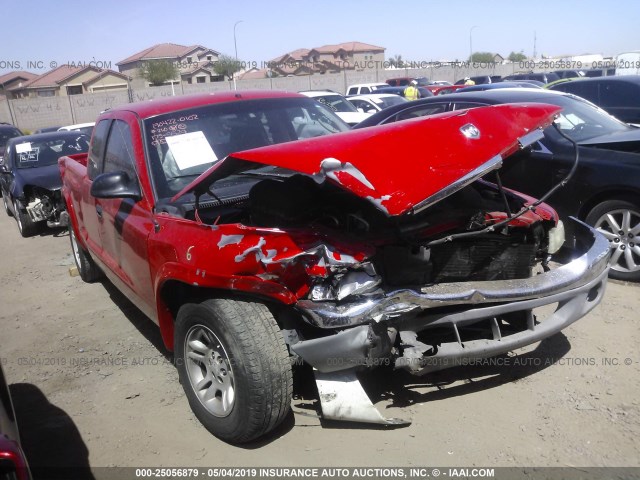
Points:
[[404, 166], [45, 177]]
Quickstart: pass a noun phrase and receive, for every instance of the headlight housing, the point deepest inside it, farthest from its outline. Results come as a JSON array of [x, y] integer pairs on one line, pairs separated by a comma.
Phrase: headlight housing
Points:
[[341, 285]]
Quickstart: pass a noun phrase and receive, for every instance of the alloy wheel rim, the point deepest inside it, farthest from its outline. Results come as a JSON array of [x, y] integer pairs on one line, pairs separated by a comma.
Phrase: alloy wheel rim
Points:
[[209, 370], [622, 229]]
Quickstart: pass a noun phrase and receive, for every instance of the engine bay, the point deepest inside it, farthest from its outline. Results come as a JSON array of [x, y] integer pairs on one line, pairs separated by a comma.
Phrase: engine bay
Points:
[[404, 255]]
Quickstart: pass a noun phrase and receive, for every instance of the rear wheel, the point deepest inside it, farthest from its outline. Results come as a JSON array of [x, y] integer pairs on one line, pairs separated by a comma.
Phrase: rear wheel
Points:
[[234, 367], [619, 221], [88, 270], [6, 204], [26, 226]]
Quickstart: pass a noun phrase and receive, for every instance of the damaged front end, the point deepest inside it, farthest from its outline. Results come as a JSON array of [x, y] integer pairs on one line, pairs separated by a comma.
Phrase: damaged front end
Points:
[[45, 205], [419, 263]]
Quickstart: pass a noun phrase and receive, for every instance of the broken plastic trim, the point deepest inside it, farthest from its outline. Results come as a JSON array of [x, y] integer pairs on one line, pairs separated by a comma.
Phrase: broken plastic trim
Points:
[[530, 138], [343, 398]]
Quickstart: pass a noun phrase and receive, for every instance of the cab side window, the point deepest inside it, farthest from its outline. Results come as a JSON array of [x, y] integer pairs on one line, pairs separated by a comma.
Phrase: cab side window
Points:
[[94, 162], [419, 111], [118, 156], [463, 105]]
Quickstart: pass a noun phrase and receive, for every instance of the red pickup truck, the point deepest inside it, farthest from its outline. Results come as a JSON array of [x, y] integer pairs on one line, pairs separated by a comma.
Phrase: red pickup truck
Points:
[[258, 232]]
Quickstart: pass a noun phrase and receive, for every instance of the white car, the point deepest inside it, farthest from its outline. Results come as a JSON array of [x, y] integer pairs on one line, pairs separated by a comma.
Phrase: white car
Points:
[[364, 88], [375, 102], [339, 105], [80, 127]]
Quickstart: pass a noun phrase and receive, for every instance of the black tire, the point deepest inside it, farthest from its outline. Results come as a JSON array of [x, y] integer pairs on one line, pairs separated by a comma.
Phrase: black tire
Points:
[[250, 390], [26, 226], [88, 270], [6, 205], [609, 218]]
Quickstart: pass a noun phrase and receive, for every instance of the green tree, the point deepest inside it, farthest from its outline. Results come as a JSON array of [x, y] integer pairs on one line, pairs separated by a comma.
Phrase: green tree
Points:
[[396, 61], [517, 57], [158, 72], [482, 57], [227, 66]]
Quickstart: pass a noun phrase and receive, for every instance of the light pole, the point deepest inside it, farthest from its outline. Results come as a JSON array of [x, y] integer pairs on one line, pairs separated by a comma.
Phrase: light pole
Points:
[[471, 43], [235, 46]]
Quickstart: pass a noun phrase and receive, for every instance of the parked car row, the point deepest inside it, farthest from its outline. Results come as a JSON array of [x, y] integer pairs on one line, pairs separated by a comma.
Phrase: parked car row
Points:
[[428, 88], [619, 96], [338, 104], [375, 102]]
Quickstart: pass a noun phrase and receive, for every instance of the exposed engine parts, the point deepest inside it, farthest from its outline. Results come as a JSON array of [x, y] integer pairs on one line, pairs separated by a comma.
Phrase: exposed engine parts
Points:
[[44, 205]]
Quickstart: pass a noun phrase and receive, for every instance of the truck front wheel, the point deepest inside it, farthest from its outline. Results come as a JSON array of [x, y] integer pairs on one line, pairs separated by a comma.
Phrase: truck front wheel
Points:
[[234, 367], [26, 226], [88, 270]]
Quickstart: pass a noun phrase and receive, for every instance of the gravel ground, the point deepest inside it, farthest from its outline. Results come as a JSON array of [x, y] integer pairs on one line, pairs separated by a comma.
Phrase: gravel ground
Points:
[[93, 386]]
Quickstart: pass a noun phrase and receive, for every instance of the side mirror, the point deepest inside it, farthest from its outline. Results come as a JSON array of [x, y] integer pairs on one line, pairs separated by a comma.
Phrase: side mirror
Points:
[[115, 185]]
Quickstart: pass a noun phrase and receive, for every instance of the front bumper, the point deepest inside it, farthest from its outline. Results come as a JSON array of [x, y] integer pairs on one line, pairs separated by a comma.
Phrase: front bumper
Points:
[[577, 287]]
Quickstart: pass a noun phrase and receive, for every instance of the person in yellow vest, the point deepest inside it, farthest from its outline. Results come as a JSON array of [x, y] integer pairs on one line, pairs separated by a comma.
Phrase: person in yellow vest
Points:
[[412, 92], [468, 81]]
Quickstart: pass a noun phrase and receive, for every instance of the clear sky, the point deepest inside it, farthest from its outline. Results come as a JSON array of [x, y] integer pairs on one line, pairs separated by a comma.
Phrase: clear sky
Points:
[[81, 31]]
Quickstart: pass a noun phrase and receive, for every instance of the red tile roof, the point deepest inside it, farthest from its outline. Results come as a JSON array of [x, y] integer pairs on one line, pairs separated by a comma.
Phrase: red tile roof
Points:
[[52, 78], [11, 76], [349, 47], [163, 50], [297, 55], [301, 53], [254, 74]]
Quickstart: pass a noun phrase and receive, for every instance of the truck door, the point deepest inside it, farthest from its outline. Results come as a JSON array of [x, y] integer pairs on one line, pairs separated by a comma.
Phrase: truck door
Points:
[[125, 222], [90, 225]]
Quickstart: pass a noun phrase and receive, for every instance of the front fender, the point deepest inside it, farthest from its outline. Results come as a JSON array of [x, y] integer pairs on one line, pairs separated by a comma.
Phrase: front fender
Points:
[[199, 279]]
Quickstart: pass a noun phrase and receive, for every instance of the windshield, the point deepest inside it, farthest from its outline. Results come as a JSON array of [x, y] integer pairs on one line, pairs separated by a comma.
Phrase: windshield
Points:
[[581, 120], [182, 145], [336, 103], [41, 153]]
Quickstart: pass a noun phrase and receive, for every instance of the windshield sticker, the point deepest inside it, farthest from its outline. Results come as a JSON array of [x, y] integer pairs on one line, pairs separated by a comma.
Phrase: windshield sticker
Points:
[[170, 127], [23, 147], [191, 149], [29, 156]]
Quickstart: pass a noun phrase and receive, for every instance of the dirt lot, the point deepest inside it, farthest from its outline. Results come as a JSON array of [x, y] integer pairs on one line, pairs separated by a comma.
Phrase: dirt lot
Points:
[[93, 386]]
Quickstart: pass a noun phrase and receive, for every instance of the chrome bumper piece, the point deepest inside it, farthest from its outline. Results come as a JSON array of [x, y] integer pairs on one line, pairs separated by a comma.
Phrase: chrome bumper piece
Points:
[[577, 287]]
